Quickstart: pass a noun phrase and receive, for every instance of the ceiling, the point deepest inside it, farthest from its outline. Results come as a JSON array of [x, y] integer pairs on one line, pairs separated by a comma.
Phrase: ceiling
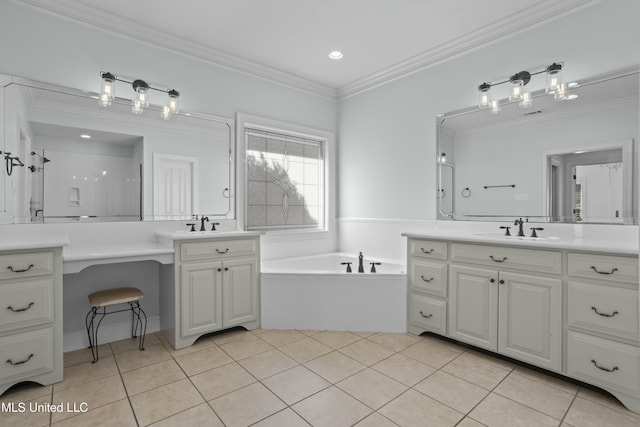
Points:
[[288, 41]]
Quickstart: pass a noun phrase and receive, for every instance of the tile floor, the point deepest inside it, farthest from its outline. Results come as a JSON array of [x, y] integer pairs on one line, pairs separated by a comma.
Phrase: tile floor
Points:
[[282, 378]]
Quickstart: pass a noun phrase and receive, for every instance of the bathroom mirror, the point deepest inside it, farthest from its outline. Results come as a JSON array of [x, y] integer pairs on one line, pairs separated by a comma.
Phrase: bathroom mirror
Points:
[[562, 161], [83, 162]]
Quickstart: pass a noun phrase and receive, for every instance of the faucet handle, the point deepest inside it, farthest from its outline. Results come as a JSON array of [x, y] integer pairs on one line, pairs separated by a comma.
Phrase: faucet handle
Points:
[[533, 231], [348, 264], [373, 266], [508, 232], [213, 225], [193, 226]]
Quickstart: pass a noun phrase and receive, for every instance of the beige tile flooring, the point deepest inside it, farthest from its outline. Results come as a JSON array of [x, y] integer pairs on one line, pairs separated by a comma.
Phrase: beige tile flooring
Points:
[[283, 378]]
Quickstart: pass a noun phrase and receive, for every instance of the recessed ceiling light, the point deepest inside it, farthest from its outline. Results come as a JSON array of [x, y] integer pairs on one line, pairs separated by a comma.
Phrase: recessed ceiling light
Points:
[[335, 54], [85, 136]]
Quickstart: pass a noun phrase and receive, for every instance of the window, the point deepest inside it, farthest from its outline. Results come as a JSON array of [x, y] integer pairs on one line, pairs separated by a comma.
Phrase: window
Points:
[[285, 180]]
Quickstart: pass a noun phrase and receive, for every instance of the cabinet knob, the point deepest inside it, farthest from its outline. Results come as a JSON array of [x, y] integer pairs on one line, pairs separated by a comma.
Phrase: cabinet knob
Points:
[[226, 269], [219, 269], [492, 280], [501, 282]]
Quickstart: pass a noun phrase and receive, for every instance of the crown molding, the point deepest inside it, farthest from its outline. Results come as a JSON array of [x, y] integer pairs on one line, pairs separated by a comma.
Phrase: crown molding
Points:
[[542, 11]]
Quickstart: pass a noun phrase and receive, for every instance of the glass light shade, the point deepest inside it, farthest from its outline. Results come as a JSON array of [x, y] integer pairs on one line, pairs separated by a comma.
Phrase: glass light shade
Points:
[[173, 102], [485, 99], [141, 100], [107, 89], [554, 80], [526, 101], [495, 107], [516, 90]]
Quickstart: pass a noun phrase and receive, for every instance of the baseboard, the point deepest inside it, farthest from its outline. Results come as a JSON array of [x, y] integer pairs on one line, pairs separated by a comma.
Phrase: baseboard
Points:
[[108, 333]]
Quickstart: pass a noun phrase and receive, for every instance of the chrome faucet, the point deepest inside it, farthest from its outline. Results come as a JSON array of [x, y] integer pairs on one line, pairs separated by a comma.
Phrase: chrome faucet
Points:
[[360, 263], [519, 223]]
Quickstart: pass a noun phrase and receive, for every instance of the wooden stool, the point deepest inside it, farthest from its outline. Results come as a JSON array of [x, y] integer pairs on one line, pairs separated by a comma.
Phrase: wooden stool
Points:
[[109, 297]]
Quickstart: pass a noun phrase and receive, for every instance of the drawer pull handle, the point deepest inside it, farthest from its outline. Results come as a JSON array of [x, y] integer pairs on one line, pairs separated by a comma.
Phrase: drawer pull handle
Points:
[[20, 309], [426, 280], [615, 368], [426, 252], [20, 271], [222, 252], [427, 316], [613, 270], [11, 362], [604, 314], [496, 259]]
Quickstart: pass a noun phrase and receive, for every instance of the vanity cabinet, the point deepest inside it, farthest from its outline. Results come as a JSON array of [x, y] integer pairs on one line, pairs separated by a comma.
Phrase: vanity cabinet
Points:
[[216, 286], [573, 312], [428, 288], [603, 345], [30, 317], [519, 315]]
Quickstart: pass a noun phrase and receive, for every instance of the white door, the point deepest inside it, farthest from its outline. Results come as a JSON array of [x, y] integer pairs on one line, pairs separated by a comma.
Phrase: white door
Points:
[[175, 186]]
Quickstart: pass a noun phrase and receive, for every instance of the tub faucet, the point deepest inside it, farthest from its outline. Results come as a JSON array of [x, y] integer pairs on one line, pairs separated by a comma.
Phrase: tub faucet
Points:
[[519, 223], [360, 263]]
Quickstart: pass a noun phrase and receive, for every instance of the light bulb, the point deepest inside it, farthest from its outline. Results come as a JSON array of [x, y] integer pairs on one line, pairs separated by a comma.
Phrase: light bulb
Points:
[[554, 77], [140, 101], [516, 90], [495, 107], [561, 93], [173, 102]]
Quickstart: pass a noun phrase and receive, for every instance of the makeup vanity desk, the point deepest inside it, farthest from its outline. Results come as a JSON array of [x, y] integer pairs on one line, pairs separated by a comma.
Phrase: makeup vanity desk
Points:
[[209, 281]]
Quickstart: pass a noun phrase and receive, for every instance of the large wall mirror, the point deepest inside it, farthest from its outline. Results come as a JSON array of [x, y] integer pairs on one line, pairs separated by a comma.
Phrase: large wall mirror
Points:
[[67, 159], [574, 160]]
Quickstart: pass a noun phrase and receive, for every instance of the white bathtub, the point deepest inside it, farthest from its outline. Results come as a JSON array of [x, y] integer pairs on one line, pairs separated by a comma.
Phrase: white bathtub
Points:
[[316, 292]]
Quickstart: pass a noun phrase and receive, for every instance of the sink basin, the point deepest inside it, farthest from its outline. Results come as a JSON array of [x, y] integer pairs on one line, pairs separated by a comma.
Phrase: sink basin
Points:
[[502, 236]]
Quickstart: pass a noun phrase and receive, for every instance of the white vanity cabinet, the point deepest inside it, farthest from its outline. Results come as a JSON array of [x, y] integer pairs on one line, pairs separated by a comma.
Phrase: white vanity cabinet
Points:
[[602, 317], [30, 316], [216, 286], [573, 312], [428, 277]]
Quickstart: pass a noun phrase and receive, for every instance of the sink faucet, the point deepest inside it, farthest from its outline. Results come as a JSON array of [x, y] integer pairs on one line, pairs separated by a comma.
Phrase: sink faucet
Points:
[[202, 220], [519, 223], [360, 263]]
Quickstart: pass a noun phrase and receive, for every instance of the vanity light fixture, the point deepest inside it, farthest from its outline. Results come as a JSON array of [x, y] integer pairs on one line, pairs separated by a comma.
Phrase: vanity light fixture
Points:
[[519, 94], [140, 100]]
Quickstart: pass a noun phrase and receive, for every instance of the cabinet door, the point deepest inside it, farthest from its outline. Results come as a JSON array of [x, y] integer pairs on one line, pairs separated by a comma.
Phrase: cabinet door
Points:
[[201, 298], [473, 306], [240, 291], [530, 319]]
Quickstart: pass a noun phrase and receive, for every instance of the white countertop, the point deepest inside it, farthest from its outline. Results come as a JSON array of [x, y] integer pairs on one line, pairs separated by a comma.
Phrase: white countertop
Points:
[[33, 243], [591, 243], [190, 235]]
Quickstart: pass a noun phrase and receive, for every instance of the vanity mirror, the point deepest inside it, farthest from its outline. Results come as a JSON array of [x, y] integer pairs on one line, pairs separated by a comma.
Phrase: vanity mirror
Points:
[[563, 161], [83, 162]]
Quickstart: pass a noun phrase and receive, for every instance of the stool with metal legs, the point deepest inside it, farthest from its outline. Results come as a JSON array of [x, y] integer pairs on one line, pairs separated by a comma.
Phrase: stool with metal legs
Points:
[[99, 301]]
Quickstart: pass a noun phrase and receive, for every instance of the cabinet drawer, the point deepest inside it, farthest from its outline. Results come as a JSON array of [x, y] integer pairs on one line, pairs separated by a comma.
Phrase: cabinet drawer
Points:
[[26, 265], [605, 309], [508, 257], [429, 277], [603, 267], [428, 248], [428, 313], [26, 354], [218, 249], [26, 303], [603, 362]]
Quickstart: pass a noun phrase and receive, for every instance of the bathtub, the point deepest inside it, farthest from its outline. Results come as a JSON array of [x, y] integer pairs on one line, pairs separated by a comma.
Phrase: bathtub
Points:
[[316, 293]]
